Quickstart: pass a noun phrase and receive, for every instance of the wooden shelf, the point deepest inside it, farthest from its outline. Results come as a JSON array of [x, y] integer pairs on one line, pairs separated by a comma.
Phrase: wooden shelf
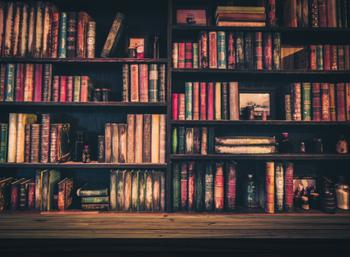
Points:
[[81, 60], [75, 165], [218, 123], [292, 157]]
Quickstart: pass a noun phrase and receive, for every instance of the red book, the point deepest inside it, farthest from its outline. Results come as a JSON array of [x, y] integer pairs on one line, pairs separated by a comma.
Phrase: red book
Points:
[[341, 55], [195, 101], [203, 50], [63, 89], [313, 62], [56, 89], [184, 188], [325, 101], [175, 106], [27, 144], [258, 51], [327, 57], [188, 55], [2, 80], [31, 196], [347, 100], [331, 13], [182, 106], [20, 82], [70, 87], [191, 186], [181, 59], [143, 81], [271, 13], [203, 98], [347, 57], [334, 57], [134, 83], [231, 186], [268, 51], [332, 104], [322, 13], [288, 186], [38, 82], [81, 35], [14, 196], [341, 116], [84, 94], [54, 33], [210, 101], [219, 187], [213, 50], [316, 102], [231, 56]]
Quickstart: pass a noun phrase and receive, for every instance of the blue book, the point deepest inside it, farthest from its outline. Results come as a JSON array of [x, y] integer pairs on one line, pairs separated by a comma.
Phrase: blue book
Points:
[[62, 45], [10, 82]]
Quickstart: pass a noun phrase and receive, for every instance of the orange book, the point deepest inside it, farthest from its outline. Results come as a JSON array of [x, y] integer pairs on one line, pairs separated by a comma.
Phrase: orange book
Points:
[[270, 187]]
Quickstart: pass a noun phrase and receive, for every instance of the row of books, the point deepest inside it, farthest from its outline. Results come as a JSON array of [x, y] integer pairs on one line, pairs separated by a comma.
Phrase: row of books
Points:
[[93, 198], [141, 140], [29, 141], [245, 145], [144, 83], [240, 16], [40, 30], [47, 191], [35, 83], [316, 57], [206, 101], [229, 50], [213, 187], [318, 101], [316, 13], [137, 190], [197, 140]]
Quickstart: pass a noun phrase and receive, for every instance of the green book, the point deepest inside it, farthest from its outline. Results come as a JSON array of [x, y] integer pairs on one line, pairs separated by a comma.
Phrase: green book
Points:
[[153, 83], [10, 83], [181, 140], [195, 55], [277, 51], [189, 149], [3, 142], [176, 186], [174, 141], [306, 100], [209, 188], [92, 192], [188, 100], [77, 85], [240, 50], [199, 187], [95, 199], [62, 42], [319, 57], [54, 178], [162, 83], [113, 190], [221, 50]]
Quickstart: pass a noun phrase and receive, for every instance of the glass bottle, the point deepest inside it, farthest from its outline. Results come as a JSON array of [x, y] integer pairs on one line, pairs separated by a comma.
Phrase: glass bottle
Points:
[[251, 196]]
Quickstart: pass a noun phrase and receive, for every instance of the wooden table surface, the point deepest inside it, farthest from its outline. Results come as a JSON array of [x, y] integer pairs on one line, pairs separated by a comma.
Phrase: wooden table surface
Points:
[[89, 225]]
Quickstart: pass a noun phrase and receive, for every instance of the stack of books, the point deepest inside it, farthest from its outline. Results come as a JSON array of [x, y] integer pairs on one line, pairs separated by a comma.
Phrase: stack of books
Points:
[[245, 145], [137, 190], [240, 16], [93, 198]]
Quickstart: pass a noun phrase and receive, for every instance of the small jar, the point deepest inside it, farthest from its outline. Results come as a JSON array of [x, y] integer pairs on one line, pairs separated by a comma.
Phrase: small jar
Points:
[[97, 95], [106, 94]]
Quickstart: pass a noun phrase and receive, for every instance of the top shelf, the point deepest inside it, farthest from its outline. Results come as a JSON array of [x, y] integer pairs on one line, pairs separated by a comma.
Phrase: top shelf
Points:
[[81, 60]]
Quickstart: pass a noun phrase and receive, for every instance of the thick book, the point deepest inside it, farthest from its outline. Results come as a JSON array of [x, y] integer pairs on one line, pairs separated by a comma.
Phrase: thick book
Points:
[[143, 83], [108, 142], [213, 50], [270, 187], [155, 137], [245, 140], [113, 35], [233, 101], [147, 125], [65, 194], [288, 186], [230, 186], [279, 186], [219, 187], [114, 137], [131, 138], [248, 149], [138, 138], [340, 95], [176, 181], [191, 185], [184, 186], [210, 101]]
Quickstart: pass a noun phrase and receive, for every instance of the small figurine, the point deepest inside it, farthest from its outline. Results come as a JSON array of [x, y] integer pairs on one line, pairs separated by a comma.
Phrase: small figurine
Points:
[[342, 145], [86, 157]]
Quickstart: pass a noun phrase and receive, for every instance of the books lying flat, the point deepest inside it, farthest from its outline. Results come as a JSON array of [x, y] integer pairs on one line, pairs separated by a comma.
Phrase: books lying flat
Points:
[[243, 140], [245, 149]]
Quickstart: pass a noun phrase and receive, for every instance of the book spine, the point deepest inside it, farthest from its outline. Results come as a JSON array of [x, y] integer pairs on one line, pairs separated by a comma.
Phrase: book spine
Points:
[[248, 51], [231, 54], [334, 57], [341, 58], [182, 106], [195, 100], [29, 83], [113, 35], [218, 101], [213, 50], [204, 142], [3, 142], [191, 185], [203, 98], [276, 51], [62, 47], [219, 187], [224, 103], [55, 34], [204, 51], [91, 39], [71, 34], [12, 137], [138, 137], [47, 82], [14, 197], [315, 14], [38, 39], [347, 100], [95, 199], [114, 136], [332, 104], [84, 89], [184, 186], [2, 26], [122, 143], [331, 13], [174, 141], [199, 188], [162, 139], [188, 100], [325, 103], [9, 30], [175, 106], [288, 186], [2, 81], [195, 55], [279, 182], [81, 35], [233, 101], [188, 55], [10, 83], [77, 88], [143, 82], [316, 102], [175, 55], [153, 83], [268, 51], [210, 107], [347, 57], [70, 87], [181, 140], [181, 56], [20, 82], [131, 138], [288, 107], [259, 50], [297, 115], [189, 141], [162, 83], [322, 6], [126, 83], [221, 44], [53, 143], [108, 142], [319, 57], [230, 182], [27, 143], [45, 138], [46, 44], [176, 178], [35, 143], [209, 188], [327, 57], [270, 187], [271, 13], [155, 138], [239, 50], [341, 115], [306, 101], [38, 82], [20, 148]]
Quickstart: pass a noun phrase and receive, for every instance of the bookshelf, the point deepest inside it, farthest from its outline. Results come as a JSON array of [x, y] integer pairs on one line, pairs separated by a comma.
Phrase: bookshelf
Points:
[[157, 20]]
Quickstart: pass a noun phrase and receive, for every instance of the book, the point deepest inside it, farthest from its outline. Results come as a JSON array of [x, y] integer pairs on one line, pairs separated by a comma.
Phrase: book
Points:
[[279, 186], [219, 187], [191, 185], [131, 138], [270, 187], [155, 129], [113, 35], [65, 194], [184, 187], [147, 126], [230, 186]]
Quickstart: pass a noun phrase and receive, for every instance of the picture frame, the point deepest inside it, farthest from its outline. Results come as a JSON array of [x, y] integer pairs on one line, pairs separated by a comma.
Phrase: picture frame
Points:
[[192, 17]]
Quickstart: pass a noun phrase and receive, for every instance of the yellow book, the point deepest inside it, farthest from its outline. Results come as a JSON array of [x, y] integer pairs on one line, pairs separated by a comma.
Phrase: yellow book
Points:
[[115, 143], [21, 123], [131, 138], [12, 143], [217, 101], [162, 138], [270, 187], [138, 138], [155, 138]]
